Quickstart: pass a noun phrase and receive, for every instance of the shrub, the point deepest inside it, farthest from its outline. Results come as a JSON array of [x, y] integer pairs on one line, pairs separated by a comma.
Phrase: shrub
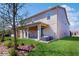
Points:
[[8, 44], [0, 43], [12, 52], [22, 43], [2, 39]]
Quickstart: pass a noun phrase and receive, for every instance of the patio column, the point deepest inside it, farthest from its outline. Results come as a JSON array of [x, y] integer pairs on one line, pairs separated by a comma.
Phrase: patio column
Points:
[[39, 32], [27, 33], [20, 33], [24, 32]]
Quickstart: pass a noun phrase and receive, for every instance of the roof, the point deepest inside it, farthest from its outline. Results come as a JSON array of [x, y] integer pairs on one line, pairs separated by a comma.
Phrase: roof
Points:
[[43, 25], [36, 23]]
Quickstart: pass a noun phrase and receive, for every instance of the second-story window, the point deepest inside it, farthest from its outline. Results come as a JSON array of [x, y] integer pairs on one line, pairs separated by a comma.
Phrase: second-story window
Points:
[[48, 17]]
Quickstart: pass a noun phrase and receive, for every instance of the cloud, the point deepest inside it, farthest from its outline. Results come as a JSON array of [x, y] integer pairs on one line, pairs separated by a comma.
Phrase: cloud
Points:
[[68, 8], [73, 16]]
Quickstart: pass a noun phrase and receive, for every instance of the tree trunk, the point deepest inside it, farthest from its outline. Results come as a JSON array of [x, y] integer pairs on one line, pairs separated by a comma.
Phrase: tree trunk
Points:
[[3, 32], [3, 35], [14, 27]]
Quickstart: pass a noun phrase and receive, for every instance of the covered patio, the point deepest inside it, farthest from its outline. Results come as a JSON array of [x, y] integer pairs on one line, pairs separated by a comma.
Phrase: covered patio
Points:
[[32, 30]]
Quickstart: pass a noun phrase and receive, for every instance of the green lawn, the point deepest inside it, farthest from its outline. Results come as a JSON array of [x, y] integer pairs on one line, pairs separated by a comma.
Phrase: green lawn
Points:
[[68, 46]]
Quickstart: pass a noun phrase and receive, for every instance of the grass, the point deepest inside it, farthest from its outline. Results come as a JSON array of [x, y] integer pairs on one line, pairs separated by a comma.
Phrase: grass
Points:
[[28, 41], [68, 46]]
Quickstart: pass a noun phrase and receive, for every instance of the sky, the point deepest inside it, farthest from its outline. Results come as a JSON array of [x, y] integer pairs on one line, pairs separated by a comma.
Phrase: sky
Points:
[[72, 10]]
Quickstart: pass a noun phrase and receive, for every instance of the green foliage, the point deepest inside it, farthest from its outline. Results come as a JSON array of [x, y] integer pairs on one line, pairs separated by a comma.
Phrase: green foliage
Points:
[[0, 43], [9, 43], [12, 52], [0, 39]]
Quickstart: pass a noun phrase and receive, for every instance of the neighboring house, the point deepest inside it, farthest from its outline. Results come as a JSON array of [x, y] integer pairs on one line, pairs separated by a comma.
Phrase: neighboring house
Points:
[[52, 22], [75, 33]]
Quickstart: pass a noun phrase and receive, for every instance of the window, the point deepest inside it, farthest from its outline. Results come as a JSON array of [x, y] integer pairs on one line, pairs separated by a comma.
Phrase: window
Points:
[[48, 17]]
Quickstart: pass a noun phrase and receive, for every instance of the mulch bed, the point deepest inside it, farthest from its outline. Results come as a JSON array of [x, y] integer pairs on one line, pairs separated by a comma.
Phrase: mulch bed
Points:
[[3, 51], [22, 50]]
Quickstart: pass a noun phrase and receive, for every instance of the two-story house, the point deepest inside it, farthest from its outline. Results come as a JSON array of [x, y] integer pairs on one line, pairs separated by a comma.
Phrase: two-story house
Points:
[[52, 22]]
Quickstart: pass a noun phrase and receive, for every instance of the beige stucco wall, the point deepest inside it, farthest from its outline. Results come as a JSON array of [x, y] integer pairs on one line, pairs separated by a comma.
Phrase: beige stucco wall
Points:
[[58, 25], [63, 26], [52, 22]]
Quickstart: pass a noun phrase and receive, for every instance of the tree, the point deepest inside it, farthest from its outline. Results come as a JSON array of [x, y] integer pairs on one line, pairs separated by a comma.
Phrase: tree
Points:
[[3, 25], [12, 13], [2, 30]]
